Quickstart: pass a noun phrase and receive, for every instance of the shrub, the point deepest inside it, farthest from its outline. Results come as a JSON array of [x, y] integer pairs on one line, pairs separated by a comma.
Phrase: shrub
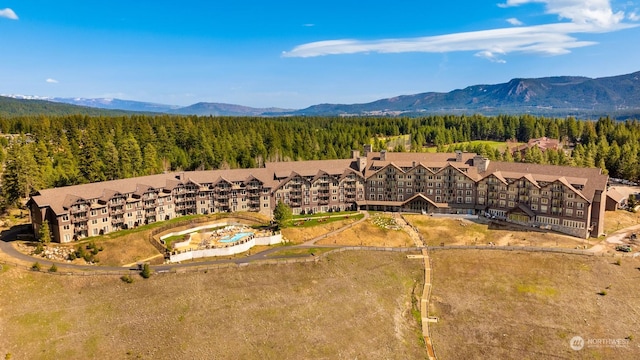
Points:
[[618, 262], [146, 271], [53, 268], [127, 278], [36, 266], [602, 293], [39, 249]]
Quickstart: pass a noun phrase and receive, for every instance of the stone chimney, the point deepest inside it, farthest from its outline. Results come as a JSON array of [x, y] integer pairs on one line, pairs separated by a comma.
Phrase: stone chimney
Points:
[[362, 163], [367, 149], [383, 155], [355, 154], [458, 156], [481, 163]]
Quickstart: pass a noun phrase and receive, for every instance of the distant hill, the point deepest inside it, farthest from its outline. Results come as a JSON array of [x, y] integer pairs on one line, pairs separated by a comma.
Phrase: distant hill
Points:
[[582, 97], [128, 105], [201, 108], [564, 95], [220, 109], [10, 107]]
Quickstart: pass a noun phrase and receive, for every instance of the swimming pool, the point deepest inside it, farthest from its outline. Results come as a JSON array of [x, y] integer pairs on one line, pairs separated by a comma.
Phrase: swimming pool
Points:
[[235, 237]]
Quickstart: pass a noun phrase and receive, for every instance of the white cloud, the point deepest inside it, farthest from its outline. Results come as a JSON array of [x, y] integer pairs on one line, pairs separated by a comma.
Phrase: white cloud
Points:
[[308, 25], [8, 13], [597, 12], [493, 57], [633, 16], [515, 22], [51, 81], [587, 16]]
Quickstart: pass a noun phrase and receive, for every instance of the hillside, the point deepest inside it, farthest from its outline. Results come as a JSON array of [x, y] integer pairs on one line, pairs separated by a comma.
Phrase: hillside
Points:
[[10, 107], [565, 95], [560, 96], [220, 109]]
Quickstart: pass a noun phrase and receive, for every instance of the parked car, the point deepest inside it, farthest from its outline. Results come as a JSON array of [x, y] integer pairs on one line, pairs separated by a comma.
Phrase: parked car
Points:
[[623, 248]]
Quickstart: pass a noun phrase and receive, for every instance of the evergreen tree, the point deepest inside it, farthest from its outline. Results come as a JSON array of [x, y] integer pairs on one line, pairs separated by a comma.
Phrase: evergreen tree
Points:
[[90, 165], [111, 161], [44, 234], [150, 163], [21, 174], [282, 213]]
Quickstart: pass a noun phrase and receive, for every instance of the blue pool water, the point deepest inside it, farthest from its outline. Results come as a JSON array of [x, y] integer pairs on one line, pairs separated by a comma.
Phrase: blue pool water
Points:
[[234, 238]]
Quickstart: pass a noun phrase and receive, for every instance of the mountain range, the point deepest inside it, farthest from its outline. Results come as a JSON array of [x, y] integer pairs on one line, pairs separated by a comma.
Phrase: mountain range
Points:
[[583, 97]]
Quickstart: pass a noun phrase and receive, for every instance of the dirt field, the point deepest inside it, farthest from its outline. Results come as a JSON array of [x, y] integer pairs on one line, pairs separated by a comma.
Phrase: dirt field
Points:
[[499, 305], [449, 231], [369, 234], [350, 305]]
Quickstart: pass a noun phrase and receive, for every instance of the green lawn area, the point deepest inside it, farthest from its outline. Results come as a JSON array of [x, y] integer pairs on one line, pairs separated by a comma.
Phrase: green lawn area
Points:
[[322, 219], [500, 145], [317, 215]]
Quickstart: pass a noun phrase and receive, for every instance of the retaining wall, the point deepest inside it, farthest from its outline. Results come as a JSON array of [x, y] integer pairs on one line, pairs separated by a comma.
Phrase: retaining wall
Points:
[[238, 248]]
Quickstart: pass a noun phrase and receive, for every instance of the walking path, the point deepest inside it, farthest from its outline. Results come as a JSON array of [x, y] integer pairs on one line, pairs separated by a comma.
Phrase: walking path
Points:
[[426, 290], [9, 251], [313, 241]]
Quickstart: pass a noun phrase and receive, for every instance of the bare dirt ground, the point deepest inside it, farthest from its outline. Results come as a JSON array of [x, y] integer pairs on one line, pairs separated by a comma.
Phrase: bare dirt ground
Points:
[[449, 231], [499, 305], [368, 233], [349, 305]]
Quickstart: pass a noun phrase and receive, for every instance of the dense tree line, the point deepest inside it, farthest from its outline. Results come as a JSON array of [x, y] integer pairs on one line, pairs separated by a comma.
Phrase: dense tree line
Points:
[[74, 149]]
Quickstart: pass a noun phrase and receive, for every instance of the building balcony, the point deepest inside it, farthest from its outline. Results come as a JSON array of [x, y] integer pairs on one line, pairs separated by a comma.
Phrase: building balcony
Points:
[[79, 217], [81, 209]]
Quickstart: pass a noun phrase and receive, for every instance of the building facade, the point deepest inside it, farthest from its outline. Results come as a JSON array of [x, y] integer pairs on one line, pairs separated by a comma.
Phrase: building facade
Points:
[[566, 199]]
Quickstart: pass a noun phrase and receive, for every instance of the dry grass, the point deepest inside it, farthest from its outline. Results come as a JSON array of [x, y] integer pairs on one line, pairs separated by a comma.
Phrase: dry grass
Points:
[[449, 231], [620, 219], [494, 304], [298, 235], [350, 305], [368, 234]]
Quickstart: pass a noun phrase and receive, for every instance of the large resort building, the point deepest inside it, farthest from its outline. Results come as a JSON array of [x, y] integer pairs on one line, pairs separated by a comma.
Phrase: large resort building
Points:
[[566, 199]]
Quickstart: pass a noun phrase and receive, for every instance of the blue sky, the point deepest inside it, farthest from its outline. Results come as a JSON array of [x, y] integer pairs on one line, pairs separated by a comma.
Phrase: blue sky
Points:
[[294, 54]]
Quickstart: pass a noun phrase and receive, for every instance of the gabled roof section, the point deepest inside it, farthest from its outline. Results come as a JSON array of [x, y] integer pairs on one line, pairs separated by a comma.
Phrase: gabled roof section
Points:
[[193, 182], [421, 196], [458, 167], [615, 195], [497, 175], [289, 178], [142, 189], [383, 168], [108, 194], [71, 200], [350, 171], [566, 183], [320, 174]]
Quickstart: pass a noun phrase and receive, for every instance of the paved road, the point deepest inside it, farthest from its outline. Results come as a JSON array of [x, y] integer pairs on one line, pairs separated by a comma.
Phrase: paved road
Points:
[[6, 246], [7, 237]]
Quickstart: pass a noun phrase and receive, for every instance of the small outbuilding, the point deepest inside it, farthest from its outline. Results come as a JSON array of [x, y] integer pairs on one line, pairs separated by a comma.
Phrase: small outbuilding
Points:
[[615, 200]]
